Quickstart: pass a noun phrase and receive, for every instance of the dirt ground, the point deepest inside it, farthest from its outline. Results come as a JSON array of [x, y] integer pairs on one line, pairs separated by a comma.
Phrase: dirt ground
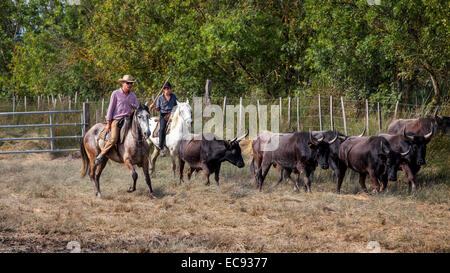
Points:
[[44, 205]]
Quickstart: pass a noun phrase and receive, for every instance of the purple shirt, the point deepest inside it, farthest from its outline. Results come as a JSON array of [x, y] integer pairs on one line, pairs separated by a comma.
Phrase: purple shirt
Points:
[[120, 104]]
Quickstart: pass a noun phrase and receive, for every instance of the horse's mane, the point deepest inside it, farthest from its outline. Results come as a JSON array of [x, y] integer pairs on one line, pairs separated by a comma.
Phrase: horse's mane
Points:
[[176, 113]]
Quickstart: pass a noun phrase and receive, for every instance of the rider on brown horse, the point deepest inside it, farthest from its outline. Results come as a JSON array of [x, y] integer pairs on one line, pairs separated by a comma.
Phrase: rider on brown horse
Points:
[[120, 106]]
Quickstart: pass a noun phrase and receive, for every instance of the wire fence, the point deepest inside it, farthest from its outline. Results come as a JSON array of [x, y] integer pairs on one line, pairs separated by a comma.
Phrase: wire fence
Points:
[[295, 113]]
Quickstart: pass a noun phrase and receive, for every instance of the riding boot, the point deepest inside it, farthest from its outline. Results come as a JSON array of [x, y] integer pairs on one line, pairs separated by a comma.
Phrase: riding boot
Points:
[[110, 142]]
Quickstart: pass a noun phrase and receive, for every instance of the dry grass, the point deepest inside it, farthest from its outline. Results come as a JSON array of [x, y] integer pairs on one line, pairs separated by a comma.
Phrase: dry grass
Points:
[[44, 205]]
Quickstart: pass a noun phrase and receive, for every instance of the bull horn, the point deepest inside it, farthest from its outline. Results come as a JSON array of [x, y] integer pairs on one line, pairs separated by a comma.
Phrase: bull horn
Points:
[[436, 111], [406, 136], [406, 153], [146, 103], [233, 140], [334, 139], [364, 131], [311, 139], [242, 137], [427, 136]]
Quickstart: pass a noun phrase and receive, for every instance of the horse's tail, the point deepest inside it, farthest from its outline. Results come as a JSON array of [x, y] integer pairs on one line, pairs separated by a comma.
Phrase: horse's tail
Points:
[[85, 160]]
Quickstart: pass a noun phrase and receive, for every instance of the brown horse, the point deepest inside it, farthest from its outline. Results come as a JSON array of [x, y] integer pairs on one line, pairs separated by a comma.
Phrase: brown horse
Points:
[[133, 151]]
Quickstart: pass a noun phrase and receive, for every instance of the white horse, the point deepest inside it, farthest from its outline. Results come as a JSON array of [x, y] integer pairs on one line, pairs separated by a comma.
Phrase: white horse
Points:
[[180, 124]]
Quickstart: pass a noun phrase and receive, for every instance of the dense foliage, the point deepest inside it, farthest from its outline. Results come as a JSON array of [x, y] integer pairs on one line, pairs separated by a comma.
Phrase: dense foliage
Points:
[[395, 49]]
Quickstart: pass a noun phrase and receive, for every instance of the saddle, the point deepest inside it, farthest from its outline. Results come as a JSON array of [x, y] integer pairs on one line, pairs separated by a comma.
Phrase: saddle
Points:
[[124, 125], [158, 125]]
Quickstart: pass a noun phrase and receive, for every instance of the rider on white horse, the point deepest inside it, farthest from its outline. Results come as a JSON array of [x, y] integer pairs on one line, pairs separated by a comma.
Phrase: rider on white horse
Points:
[[164, 103]]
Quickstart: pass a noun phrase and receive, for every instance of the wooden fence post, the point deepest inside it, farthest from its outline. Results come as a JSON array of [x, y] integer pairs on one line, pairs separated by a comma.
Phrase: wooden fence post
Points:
[[298, 116], [258, 112], [25, 102], [343, 116], [240, 116], [320, 115], [70, 103], [379, 117], [280, 111], [367, 117], [331, 113], [86, 118], [14, 103], [289, 113], [39, 102], [224, 108], [75, 100], [208, 92], [395, 111], [103, 109]]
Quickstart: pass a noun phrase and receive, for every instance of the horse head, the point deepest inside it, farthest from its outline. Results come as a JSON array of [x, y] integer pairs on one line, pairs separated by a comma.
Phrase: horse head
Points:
[[141, 117], [183, 110]]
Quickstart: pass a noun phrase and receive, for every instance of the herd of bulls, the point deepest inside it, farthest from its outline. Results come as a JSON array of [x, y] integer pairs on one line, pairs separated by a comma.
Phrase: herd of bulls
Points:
[[379, 157]]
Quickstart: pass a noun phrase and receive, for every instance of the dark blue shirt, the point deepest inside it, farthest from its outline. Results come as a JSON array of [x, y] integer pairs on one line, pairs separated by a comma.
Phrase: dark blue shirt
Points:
[[166, 106]]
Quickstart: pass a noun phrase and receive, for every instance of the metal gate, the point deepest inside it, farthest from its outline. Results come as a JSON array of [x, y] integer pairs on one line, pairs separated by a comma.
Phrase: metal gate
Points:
[[84, 124]]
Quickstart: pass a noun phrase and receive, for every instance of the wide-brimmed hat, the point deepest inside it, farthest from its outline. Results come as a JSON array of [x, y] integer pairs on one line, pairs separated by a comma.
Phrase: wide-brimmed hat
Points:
[[127, 78]]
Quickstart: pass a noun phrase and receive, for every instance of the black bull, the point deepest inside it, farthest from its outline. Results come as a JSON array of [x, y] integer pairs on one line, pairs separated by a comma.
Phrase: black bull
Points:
[[371, 156], [413, 151], [207, 154], [298, 152], [420, 126]]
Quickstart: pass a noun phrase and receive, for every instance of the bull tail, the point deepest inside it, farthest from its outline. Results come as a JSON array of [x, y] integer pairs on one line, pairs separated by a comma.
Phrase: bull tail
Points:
[[84, 157]]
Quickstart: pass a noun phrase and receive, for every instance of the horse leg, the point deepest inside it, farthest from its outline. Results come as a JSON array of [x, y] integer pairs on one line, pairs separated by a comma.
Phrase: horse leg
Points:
[[174, 164], [98, 171], [147, 177], [134, 175], [91, 172], [180, 171], [155, 155]]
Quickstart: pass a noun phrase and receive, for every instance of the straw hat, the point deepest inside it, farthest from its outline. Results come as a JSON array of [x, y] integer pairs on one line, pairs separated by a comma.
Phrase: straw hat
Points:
[[127, 78]]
